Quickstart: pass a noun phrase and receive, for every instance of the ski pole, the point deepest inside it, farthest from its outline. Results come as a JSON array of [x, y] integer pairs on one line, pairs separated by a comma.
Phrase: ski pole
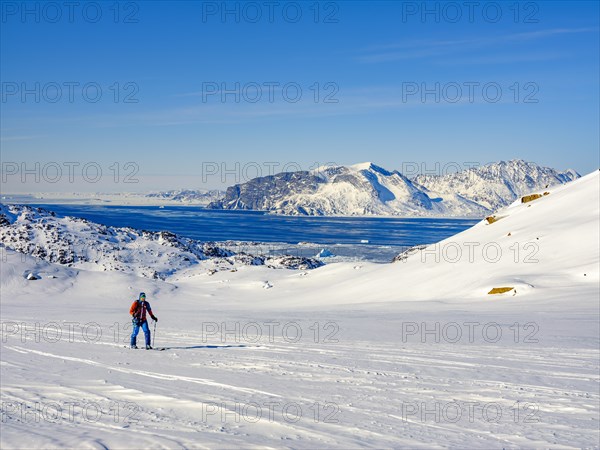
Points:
[[154, 334]]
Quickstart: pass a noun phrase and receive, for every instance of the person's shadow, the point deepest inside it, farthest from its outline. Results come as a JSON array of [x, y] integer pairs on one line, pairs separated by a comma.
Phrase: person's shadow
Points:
[[205, 346]]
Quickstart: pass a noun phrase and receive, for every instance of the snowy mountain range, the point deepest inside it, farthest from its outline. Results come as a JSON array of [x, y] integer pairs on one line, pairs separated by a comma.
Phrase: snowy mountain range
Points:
[[496, 185], [193, 196], [196, 197], [367, 189], [79, 243]]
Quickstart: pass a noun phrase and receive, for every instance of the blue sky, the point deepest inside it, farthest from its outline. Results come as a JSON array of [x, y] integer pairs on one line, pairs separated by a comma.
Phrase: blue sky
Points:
[[369, 62]]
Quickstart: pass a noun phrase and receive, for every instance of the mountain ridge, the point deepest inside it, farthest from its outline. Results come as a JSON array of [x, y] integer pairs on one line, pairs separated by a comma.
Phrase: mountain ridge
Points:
[[371, 190]]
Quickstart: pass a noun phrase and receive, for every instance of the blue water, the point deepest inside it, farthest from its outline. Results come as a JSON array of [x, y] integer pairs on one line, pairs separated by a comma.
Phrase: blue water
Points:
[[386, 236]]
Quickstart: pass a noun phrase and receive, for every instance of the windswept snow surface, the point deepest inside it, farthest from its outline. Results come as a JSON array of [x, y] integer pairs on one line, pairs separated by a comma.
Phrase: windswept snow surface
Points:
[[413, 354]]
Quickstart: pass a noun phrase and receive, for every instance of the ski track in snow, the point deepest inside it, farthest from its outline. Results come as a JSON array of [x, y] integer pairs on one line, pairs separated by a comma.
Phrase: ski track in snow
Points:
[[359, 378], [371, 388]]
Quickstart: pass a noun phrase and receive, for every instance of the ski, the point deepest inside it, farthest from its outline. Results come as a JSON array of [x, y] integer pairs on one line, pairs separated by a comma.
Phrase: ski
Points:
[[160, 349]]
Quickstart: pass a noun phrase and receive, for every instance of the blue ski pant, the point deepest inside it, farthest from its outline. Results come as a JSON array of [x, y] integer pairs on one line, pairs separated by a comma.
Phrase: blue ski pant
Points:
[[136, 330]]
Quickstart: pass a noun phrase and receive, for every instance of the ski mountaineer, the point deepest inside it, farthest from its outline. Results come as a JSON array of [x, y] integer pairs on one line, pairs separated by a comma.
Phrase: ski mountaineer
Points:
[[138, 313]]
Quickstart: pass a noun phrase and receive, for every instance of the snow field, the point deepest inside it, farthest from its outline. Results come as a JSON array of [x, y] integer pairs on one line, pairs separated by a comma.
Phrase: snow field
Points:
[[413, 354]]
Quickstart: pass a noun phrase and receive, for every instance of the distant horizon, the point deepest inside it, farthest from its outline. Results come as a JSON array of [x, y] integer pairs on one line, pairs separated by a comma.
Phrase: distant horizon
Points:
[[438, 169]]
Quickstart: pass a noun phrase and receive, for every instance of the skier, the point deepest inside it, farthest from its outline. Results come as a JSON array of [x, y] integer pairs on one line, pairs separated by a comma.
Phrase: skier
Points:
[[138, 313]]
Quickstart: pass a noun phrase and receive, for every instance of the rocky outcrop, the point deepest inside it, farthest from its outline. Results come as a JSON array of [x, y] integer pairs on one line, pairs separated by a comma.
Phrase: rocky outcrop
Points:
[[76, 242]]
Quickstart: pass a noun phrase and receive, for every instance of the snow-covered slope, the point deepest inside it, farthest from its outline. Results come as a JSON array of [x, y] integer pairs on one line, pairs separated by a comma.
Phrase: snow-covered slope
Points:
[[498, 184], [367, 189], [83, 244], [545, 248], [344, 356]]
